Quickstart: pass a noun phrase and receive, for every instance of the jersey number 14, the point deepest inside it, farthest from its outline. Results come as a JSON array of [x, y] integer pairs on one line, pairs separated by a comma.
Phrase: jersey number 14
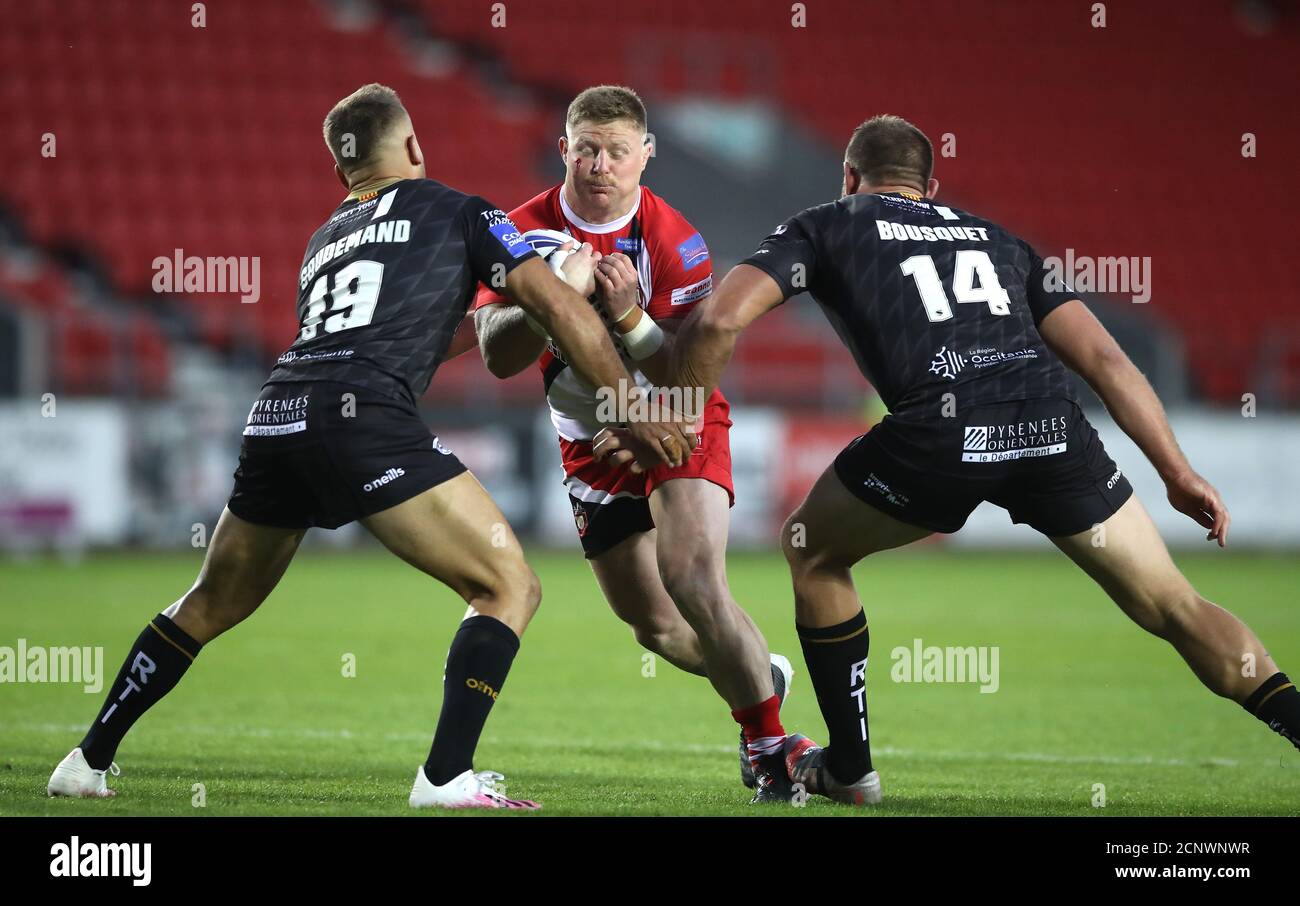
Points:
[[972, 265]]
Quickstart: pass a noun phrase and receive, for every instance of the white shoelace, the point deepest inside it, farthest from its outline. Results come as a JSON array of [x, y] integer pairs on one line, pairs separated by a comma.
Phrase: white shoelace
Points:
[[492, 784]]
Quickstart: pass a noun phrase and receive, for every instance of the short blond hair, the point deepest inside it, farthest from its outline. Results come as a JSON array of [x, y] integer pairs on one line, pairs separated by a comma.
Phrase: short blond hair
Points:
[[605, 104]]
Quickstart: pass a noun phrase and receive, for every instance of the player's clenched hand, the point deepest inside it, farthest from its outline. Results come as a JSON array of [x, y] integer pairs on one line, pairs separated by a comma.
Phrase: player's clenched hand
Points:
[[644, 445], [612, 447], [617, 280], [578, 270], [1193, 496]]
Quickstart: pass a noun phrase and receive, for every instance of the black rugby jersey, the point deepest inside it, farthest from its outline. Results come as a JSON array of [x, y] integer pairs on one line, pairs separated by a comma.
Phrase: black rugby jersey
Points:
[[930, 300], [386, 281]]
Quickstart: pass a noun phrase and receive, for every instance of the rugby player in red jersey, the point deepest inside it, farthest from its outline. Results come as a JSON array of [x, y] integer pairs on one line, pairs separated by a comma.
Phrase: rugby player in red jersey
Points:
[[656, 540]]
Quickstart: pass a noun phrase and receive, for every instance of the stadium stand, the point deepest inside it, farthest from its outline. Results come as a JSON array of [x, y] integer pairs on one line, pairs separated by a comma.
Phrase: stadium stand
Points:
[[170, 136], [1028, 141], [167, 136]]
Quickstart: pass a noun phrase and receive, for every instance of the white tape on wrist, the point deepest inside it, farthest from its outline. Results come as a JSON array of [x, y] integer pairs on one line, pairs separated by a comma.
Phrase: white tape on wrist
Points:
[[643, 340]]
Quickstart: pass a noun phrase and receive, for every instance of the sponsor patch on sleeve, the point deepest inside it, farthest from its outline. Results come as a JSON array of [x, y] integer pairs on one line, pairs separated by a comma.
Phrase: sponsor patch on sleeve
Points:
[[693, 293], [501, 226], [693, 251]]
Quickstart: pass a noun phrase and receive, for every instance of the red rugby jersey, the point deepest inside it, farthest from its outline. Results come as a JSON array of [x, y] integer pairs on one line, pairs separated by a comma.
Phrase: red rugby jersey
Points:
[[672, 263]]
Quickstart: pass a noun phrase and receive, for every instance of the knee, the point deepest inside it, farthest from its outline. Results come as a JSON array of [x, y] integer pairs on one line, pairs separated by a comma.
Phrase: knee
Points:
[[532, 590], [1184, 611], [520, 590], [696, 585], [1172, 614], [652, 635], [806, 555], [794, 541], [205, 612], [515, 592]]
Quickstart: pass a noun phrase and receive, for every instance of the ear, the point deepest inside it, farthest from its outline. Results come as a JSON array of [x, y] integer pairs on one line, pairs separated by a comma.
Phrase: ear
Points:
[[852, 181], [932, 188], [647, 150], [413, 152], [338, 171], [564, 149]]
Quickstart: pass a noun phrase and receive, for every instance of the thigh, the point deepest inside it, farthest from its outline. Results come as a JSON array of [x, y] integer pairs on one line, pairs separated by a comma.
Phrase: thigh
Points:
[[374, 453], [839, 528], [903, 472], [628, 575], [455, 533], [1126, 556], [693, 516]]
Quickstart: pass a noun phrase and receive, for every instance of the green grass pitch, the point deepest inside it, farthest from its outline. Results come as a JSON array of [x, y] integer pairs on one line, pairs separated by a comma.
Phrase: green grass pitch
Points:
[[269, 724]]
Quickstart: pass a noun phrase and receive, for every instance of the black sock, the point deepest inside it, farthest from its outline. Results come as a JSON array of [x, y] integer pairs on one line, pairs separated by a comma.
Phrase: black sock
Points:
[[157, 661], [837, 664], [477, 664], [1277, 703]]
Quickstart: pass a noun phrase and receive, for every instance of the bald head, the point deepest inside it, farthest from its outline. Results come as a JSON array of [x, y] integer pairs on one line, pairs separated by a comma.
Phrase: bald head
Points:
[[370, 134]]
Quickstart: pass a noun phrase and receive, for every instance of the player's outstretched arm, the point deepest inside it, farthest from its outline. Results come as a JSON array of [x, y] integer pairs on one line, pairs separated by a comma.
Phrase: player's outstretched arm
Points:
[[705, 342], [1075, 334], [582, 336], [708, 338]]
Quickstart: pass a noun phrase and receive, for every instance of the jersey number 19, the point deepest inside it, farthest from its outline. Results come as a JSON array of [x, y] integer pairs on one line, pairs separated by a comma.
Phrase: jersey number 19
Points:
[[350, 294]]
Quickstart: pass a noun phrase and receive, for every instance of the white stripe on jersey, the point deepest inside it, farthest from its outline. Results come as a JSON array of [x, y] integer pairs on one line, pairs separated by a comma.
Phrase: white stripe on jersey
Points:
[[574, 405], [587, 494], [572, 402], [385, 204], [643, 273], [612, 227]]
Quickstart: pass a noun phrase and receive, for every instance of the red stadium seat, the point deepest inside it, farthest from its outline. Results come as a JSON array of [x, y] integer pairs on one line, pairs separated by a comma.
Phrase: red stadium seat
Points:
[[208, 139]]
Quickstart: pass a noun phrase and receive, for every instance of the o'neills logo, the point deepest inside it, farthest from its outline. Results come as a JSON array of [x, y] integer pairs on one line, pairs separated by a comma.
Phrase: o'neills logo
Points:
[[390, 475], [481, 686], [103, 860]]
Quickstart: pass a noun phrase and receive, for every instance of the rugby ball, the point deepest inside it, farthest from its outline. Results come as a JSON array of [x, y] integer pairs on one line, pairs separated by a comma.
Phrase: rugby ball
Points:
[[549, 245]]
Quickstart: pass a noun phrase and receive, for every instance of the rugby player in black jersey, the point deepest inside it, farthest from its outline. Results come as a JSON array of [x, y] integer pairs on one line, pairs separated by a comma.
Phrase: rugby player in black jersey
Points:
[[966, 336], [335, 437]]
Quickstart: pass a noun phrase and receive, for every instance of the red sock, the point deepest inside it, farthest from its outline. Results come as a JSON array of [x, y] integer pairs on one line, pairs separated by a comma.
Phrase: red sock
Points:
[[761, 724]]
